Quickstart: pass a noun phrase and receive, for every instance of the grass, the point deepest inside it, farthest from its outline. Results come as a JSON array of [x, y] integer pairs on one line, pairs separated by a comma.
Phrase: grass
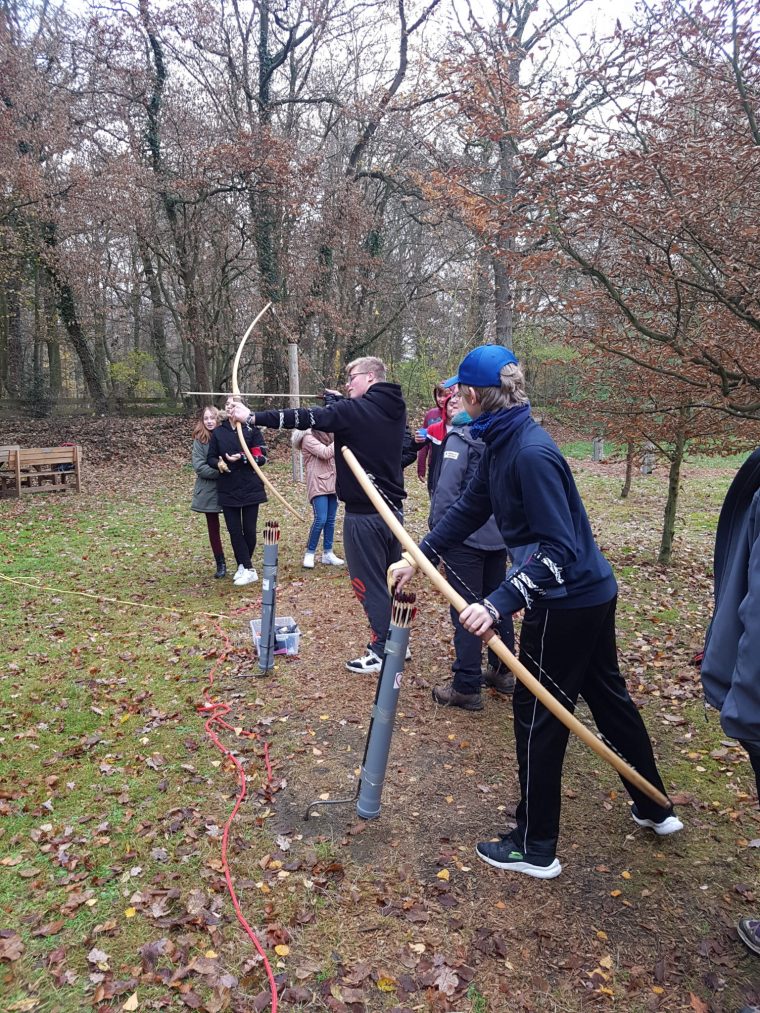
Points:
[[582, 450], [113, 799]]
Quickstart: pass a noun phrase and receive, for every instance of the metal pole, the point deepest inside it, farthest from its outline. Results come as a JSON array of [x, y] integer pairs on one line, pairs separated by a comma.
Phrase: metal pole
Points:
[[384, 710], [271, 536]]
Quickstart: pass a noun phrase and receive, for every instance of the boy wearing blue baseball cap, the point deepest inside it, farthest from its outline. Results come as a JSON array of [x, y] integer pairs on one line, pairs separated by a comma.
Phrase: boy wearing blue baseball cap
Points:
[[569, 593]]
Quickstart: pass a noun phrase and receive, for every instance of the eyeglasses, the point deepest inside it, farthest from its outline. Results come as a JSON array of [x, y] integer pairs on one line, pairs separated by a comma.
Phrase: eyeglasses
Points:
[[353, 376]]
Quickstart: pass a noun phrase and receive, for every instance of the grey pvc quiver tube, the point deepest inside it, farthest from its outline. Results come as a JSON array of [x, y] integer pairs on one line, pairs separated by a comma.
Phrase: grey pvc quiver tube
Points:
[[268, 603], [381, 725]]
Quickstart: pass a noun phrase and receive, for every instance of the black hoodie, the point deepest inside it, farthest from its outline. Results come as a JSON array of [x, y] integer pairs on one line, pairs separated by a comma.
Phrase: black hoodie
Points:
[[373, 426]]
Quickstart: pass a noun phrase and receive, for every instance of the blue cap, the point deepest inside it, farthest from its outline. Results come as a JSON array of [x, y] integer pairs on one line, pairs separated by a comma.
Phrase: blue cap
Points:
[[482, 366], [451, 382]]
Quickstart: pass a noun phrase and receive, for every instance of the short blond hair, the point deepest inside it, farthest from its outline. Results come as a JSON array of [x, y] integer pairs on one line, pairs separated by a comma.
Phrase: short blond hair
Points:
[[510, 394], [368, 364]]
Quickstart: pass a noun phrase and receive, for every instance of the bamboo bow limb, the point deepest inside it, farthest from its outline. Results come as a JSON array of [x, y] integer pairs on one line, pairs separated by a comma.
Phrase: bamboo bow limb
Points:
[[236, 391], [497, 645]]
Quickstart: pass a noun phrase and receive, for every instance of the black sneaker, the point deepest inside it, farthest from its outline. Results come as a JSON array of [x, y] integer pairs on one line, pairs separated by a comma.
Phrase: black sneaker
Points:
[[749, 933], [504, 854], [447, 696]]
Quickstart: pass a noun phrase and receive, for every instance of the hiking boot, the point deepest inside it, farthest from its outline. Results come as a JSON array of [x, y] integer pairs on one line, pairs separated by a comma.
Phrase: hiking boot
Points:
[[331, 559], [504, 854], [749, 933], [308, 560], [499, 679], [221, 567], [669, 825], [368, 664], [447, 696]]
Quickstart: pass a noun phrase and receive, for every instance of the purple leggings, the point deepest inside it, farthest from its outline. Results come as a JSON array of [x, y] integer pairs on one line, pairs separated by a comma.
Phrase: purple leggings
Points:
[[214, 535]]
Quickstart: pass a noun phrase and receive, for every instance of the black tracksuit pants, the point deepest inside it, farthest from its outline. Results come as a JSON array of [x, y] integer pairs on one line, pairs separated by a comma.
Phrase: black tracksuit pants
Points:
[[474, 573], [370, 548], [577, 650]]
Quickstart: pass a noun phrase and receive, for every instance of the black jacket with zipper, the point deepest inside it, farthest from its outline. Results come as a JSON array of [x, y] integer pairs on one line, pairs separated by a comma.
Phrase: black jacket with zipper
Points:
[[241, 486]]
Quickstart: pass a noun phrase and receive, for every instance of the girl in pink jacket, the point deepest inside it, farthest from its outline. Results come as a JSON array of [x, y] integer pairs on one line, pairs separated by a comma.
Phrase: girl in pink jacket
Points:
[[318, 451]]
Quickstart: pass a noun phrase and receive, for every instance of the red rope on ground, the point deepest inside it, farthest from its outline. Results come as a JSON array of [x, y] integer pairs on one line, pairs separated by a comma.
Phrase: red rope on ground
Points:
[[217, 710]]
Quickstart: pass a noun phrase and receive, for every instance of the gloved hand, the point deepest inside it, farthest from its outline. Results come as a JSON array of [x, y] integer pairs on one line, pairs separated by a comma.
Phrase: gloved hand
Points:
[[331, 397]]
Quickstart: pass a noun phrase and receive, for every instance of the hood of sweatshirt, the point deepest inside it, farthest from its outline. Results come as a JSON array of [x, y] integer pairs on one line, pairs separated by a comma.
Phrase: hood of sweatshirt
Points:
[[388, 398]]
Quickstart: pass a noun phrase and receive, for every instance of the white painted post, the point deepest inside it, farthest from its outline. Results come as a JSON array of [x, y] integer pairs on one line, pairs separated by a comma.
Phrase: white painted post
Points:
[[294, 387]]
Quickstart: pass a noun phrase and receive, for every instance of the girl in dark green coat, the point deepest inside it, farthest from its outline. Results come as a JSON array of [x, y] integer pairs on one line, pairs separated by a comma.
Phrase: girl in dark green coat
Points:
[[205, 498]]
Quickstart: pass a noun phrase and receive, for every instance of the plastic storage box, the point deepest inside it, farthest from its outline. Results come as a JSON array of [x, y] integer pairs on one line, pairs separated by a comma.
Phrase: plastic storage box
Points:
[[284, 643]]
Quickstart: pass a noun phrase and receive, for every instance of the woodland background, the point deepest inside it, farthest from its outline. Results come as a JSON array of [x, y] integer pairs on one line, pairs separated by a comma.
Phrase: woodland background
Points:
[[400, 179]]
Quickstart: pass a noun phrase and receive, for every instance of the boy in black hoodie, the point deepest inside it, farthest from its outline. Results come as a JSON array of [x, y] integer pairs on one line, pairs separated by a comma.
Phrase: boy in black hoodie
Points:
[[569, 593], [371, 421]]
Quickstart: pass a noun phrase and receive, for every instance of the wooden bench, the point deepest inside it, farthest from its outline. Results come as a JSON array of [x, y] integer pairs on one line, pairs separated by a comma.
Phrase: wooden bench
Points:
[[40, 469]]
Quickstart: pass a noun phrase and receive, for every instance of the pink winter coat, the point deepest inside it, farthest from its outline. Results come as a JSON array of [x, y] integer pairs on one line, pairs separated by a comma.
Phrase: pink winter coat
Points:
[[319, 462]]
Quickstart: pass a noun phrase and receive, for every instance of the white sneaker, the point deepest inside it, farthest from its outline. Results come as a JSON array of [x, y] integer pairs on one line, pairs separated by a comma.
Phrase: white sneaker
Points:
[[331, 559], [239, 572], [247, 577], [308, 560], [670, 825], [367, 664]]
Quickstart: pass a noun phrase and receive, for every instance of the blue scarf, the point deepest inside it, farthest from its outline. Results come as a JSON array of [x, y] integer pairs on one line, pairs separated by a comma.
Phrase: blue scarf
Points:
[[461, 419], [517, 415]]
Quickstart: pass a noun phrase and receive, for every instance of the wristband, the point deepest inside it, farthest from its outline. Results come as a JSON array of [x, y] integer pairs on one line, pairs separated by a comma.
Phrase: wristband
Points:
[[250, 421], [491, 610]]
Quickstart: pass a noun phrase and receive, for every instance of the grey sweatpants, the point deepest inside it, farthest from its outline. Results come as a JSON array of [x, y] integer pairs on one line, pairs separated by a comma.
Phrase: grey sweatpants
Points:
[[370, 548]]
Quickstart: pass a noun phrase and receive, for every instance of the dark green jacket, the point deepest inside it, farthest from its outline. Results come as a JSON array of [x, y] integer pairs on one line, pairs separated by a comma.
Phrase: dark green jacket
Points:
[[205, 499]]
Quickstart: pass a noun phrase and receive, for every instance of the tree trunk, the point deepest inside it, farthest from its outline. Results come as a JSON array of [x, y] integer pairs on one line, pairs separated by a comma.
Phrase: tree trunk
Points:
[[157, 325], [38, 380], [55, 372], [173, 208], [630, 458], [14, 376], [674, 482], [68, 311]]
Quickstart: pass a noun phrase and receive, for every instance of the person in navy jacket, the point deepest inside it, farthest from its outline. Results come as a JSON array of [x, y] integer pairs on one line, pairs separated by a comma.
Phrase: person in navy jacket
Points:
[[569, 593], [473, 568], [731, 664]]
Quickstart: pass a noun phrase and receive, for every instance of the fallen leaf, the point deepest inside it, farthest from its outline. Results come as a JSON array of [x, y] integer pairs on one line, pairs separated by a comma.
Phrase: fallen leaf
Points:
[[131, 1003], [11, 947]]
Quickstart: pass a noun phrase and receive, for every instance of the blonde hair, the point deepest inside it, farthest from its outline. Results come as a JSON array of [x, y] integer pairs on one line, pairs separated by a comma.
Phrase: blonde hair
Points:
[[368, 364], [200, 432], [510, 394]]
